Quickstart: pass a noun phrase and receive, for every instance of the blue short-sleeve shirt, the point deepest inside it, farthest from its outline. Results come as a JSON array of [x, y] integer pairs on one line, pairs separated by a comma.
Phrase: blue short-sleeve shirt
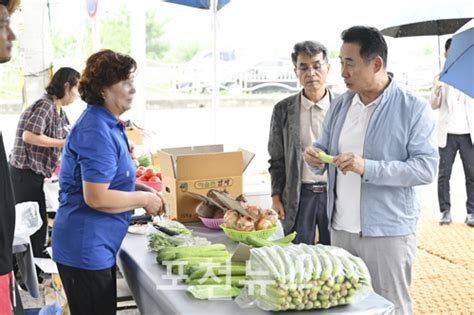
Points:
[[97, 151]]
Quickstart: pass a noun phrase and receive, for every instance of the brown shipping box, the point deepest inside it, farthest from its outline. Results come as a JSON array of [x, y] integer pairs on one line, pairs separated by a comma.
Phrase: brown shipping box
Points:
[[134, 135], [199, 169]]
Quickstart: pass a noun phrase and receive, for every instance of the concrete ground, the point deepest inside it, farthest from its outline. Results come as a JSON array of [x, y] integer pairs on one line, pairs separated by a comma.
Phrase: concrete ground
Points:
[[443, 274]]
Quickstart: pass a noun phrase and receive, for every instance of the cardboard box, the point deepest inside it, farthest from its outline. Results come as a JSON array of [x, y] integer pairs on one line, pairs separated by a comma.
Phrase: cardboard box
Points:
[[134, 135], [199, 169]]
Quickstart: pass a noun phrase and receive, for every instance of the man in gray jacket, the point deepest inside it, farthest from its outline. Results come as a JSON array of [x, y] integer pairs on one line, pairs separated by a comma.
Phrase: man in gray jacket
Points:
[[298, 195]]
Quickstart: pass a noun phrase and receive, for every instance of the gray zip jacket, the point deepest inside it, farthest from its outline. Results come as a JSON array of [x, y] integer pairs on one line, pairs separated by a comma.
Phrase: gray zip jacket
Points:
[[286, 155]]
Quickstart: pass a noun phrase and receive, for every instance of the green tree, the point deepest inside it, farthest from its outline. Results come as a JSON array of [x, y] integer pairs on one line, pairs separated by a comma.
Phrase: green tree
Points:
[[155, 46], [62, 44], [186, 51], [333, 53], [428, 50], [115, 31]]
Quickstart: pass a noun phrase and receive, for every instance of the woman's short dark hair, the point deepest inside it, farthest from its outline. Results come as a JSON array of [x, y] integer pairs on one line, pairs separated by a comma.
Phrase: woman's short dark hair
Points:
[[103, 69], [59, 79], [310, 48], [371, 41]]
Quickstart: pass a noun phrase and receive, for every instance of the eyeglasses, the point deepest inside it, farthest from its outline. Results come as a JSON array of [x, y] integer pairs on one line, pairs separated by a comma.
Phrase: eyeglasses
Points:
[[318, 67]]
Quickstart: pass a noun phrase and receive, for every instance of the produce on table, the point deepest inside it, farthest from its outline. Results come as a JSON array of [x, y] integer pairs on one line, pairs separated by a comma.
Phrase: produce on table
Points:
[[265, 219], [147, 174], [213, 206], [232, 269], [326, 158], [305, 277], [204, 292], [241, 236], [207, 268], [256, 241], [144, 160]]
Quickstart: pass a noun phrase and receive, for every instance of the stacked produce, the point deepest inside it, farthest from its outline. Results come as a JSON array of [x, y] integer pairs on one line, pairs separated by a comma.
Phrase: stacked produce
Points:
[[305, 277], [256, 241], [207, 268], [237, 213], [145, 174], [259, 219]]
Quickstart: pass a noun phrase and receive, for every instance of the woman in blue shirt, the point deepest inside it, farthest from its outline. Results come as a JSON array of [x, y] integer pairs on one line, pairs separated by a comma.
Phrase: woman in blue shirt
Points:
[[97, 187]]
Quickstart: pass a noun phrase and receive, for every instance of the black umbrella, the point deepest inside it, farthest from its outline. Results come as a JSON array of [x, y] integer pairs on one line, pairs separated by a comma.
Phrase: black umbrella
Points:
[[424, 28], [429, 17]]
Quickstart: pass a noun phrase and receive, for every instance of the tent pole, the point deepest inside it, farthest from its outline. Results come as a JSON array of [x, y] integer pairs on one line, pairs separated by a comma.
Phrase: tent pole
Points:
[[138, 52], [215, 59], [439, 55]]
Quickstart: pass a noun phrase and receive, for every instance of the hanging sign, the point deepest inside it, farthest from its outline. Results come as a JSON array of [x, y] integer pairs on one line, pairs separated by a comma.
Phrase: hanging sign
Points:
[[91, 7]]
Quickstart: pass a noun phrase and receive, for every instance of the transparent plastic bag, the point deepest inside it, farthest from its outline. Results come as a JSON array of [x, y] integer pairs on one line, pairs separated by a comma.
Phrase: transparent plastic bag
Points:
[[51, 309], [28, 220], [303, 277]]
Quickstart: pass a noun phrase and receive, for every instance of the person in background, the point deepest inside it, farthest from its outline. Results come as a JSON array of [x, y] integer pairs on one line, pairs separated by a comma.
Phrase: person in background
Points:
[[299, 195], [97, 187], [7, 204], [455, 133], [382, 140], [38, 143]]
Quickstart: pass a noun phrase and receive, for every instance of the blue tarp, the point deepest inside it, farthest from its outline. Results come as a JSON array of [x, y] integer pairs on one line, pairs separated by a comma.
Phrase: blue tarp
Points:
[[201, 4]]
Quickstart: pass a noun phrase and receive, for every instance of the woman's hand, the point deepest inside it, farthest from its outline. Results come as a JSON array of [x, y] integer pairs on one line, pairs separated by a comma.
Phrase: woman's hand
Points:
[[155, 204]]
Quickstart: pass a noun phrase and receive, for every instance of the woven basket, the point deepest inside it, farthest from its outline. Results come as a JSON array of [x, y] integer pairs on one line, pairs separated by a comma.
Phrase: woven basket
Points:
[[240, 236], [212, 223]]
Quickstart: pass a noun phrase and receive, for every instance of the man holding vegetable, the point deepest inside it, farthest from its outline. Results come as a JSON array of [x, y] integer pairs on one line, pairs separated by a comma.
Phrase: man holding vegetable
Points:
[[382, 139], [300, 199]]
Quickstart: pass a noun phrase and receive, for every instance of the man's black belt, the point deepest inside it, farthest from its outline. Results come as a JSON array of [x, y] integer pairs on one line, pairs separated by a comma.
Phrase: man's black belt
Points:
[[316, 187]]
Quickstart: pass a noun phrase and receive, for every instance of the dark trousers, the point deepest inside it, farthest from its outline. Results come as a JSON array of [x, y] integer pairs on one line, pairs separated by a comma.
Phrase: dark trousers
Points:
[[311, 212], [28, 186], [455, 143], [90, 292]]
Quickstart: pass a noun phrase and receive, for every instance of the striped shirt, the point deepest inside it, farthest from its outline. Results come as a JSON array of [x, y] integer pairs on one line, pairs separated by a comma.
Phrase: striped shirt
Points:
[[39, 118]]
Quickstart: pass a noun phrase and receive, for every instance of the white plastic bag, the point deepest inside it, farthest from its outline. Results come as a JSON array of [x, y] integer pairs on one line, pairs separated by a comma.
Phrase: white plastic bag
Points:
[[51, 309], [28, 220]]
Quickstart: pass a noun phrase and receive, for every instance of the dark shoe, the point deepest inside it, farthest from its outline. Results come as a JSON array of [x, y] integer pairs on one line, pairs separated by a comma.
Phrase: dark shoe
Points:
[[470, 219], [445, 217]]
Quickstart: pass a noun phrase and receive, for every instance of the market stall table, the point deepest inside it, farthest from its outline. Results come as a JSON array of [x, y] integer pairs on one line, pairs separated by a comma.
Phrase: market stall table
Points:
[[155, 293]]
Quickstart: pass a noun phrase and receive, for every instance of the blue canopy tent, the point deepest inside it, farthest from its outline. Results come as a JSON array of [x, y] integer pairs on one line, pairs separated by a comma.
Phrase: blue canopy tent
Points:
[[214, 5], [200, 4]]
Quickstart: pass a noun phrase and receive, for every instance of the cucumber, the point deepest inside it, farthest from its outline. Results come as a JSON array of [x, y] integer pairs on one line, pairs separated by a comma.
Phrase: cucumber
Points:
[[256, 241], [235, 281], [223, 270], [326, 158], [286, 239]]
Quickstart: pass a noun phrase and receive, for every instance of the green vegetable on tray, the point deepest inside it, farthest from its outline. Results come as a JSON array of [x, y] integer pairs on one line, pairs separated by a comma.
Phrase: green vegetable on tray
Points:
[[204, 291], [144, 160], [256, 241]]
